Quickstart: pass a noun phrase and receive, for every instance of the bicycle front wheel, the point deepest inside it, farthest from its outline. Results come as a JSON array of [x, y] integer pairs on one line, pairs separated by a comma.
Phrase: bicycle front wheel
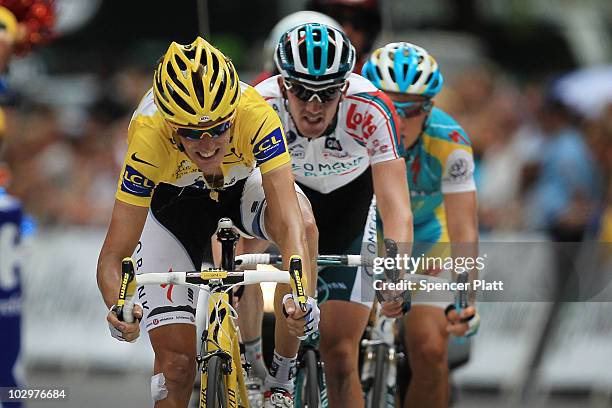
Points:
[[307, 393], [376, 398], [311, 386], [216, 390]]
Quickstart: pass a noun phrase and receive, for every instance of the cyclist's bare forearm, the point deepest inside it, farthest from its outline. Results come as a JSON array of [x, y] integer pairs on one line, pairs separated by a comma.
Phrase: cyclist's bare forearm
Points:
[[291, 239], [109, 278], [284, 220], [126, 225], [462, 222], [393, 199]]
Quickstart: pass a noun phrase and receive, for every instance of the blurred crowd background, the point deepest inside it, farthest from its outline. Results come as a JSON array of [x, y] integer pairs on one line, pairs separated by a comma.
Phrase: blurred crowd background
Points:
[[530, 81]]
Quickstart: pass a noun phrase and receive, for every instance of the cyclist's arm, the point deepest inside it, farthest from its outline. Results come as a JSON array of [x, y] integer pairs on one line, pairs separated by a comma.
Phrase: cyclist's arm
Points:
[[126, 225], [461, 216], [393, 199], [393, 203], [389, 170], [462, 223], [460, 203], [284, 212]]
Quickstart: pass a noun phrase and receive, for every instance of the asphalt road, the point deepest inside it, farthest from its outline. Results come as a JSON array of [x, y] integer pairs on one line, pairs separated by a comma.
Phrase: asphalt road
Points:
[[95, 389]]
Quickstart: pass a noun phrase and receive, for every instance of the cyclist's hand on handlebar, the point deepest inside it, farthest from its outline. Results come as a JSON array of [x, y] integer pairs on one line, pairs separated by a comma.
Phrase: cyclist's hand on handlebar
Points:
[[392, 308], [124, 331], [397, 305], [462, 324], [293, 315], [394, 303], [301, 324]]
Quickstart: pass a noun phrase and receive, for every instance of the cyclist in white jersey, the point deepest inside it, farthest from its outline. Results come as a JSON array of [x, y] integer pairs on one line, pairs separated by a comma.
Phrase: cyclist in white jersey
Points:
[[342, 136]]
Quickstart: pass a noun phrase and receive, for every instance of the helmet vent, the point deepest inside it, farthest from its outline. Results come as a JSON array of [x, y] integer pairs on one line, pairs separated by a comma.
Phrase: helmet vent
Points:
[[181, 65], [179, 101], [429, 77], [198, 85], [190, 54], [175, 80], [232, 78], [215, 74], [303, 51], [416, 77], [220, 92], [236, 93], [288, 52], [345, 51], [317, 56], [378, 72], [391, 74], [165, 109]]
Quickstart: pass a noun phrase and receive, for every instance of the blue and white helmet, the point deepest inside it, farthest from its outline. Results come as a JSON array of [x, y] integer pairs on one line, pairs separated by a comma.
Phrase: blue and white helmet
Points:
[[405, 68], [315, 54]]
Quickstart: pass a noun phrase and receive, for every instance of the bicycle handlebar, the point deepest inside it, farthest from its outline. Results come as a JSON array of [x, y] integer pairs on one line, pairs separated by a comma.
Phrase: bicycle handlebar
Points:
[[247, 277], [129, 282], [322, 260]]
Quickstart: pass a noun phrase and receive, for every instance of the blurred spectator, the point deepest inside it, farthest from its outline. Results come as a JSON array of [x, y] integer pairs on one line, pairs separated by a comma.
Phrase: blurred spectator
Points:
[[605, 226], [488, 105], [599, 136], [67, 160], [361, 20], [567, 190], [23, 24]]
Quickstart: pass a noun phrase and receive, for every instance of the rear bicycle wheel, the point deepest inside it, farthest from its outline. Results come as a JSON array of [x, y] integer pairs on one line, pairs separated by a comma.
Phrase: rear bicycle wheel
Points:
[[376, 397], [216, 391]]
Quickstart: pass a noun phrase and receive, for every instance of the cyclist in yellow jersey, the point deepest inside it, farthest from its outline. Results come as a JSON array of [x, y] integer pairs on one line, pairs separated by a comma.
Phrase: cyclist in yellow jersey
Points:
[[201, 146]]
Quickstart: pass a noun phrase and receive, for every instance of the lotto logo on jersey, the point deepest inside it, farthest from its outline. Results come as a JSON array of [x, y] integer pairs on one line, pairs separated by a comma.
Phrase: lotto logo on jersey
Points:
[[270, 146], [360, 120], [135, 183]]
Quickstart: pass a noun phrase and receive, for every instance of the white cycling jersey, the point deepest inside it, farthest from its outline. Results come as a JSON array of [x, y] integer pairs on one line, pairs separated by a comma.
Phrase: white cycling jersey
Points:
[[365, 134]]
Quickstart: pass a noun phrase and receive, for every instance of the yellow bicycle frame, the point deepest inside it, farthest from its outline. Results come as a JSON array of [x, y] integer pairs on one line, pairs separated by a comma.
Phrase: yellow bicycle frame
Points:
[[223, 335]]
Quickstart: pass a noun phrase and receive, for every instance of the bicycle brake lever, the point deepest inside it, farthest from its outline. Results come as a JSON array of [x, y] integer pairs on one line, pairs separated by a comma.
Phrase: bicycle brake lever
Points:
[[297, 287], [126, 289], [462, 298], [391, 252]]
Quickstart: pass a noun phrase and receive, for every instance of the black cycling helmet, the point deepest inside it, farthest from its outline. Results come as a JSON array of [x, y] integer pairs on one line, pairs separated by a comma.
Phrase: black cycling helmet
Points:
[[363, 15]]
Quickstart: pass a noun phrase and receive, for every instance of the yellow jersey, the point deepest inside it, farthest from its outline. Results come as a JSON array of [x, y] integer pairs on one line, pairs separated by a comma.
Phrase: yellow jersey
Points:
[[256, 139]]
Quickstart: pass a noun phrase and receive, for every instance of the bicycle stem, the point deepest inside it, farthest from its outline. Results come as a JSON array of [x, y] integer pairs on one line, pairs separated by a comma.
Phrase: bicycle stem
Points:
[[228, 238]]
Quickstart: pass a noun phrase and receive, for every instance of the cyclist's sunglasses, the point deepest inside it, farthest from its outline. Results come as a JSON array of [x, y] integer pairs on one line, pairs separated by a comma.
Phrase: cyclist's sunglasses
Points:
[[412, 108], [306, 94], [197, 134]]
